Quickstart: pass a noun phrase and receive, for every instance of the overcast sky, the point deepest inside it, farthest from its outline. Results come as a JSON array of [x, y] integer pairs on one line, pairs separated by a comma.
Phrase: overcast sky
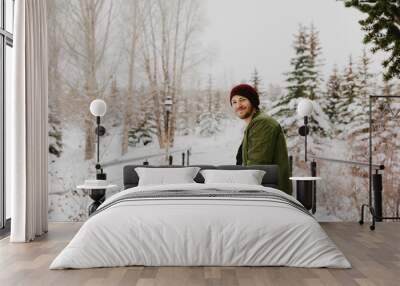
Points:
[[244, 34]]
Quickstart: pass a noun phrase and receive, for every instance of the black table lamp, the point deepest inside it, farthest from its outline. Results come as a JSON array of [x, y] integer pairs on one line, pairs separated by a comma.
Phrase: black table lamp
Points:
[[98, 108], [304, 109]]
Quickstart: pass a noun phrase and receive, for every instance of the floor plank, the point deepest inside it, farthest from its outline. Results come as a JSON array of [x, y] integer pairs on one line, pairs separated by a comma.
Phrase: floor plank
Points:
[[374, 255]]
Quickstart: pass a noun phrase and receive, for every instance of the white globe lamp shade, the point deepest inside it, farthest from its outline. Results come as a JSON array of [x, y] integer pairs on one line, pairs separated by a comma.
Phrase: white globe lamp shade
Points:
[[304, 107], [98, 107]]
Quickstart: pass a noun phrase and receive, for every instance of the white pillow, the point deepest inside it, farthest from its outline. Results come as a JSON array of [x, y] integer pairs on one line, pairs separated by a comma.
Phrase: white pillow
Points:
[[164, 176], [248, 177]]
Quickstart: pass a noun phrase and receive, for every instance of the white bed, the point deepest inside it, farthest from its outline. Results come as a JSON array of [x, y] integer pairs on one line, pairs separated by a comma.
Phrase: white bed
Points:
[[202, 231]]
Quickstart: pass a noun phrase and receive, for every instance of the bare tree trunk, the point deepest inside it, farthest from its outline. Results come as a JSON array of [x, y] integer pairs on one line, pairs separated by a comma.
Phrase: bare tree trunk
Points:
[[175, 87], [128, 112], [156, 100], [168, 32], [91, 91], [87, 53], [55, 87], [89, 138], [127, 123], [150, 58]]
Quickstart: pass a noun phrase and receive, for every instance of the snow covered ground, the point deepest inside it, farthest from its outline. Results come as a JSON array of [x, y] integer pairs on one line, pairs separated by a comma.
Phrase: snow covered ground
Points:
[[70, 170]]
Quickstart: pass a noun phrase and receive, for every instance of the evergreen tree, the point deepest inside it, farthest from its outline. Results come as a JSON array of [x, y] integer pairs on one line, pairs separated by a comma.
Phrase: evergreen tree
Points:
[[274, 92], [358, 125], [350, 90], [114, 107], [366, 77], [301, 84], [141, 134], [314, 65], [255, 81], [333, 96], [297, 78], [145, 129], [382, 28], [210, 124], [284, 108], [210, 94], [55, 135], [385, 143], [358, 128], [211, 119], [183, 120], [218, 101], [319, 121]]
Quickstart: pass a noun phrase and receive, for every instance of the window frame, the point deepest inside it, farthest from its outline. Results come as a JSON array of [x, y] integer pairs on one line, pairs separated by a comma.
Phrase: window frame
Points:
[[6, 39]]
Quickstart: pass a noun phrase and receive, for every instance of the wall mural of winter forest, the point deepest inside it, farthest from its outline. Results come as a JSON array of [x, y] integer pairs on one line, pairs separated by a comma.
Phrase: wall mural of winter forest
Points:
[[135, 53]]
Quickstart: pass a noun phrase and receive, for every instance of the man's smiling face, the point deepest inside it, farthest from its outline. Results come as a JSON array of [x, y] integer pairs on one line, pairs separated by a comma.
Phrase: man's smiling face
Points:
[[242, 106]]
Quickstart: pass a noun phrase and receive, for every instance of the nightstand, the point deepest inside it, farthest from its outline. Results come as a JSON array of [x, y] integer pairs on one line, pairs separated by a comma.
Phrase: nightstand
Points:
[[306, 191], [97, 194]]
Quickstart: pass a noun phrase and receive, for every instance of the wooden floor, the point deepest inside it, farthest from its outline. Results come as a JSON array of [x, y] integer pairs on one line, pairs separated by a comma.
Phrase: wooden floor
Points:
[[374, 255]]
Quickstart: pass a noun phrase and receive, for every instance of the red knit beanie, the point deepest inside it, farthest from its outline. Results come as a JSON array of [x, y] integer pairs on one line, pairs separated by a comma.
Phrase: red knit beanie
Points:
[[247, 91]]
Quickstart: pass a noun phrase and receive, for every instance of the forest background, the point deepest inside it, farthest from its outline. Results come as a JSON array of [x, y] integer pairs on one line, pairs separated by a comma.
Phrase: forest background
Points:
[[135, 54]]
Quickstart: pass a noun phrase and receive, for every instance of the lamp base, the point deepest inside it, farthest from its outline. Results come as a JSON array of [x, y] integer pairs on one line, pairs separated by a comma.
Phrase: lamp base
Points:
[[305, 193], [101, 176], [98, 196]]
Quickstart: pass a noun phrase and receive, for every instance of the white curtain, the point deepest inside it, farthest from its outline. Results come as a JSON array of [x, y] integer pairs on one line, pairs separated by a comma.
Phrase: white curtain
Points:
[[26, 123]]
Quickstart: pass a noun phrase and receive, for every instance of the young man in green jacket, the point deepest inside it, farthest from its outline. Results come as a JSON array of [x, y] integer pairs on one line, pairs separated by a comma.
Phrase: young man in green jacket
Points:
[[263, 140]]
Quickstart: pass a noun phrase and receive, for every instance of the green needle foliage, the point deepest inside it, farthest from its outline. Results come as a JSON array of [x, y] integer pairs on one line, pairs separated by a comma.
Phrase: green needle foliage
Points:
[[382, 27]]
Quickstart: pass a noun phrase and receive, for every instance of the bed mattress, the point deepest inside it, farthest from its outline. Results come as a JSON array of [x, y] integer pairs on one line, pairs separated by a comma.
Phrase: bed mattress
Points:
[[201, 225]]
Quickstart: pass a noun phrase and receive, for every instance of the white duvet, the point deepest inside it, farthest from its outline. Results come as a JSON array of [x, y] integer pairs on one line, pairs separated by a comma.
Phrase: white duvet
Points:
[[193, 231]]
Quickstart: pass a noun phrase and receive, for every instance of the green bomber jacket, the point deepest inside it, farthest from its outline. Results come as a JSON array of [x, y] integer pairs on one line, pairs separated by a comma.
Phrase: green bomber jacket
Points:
[[264, 144]]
